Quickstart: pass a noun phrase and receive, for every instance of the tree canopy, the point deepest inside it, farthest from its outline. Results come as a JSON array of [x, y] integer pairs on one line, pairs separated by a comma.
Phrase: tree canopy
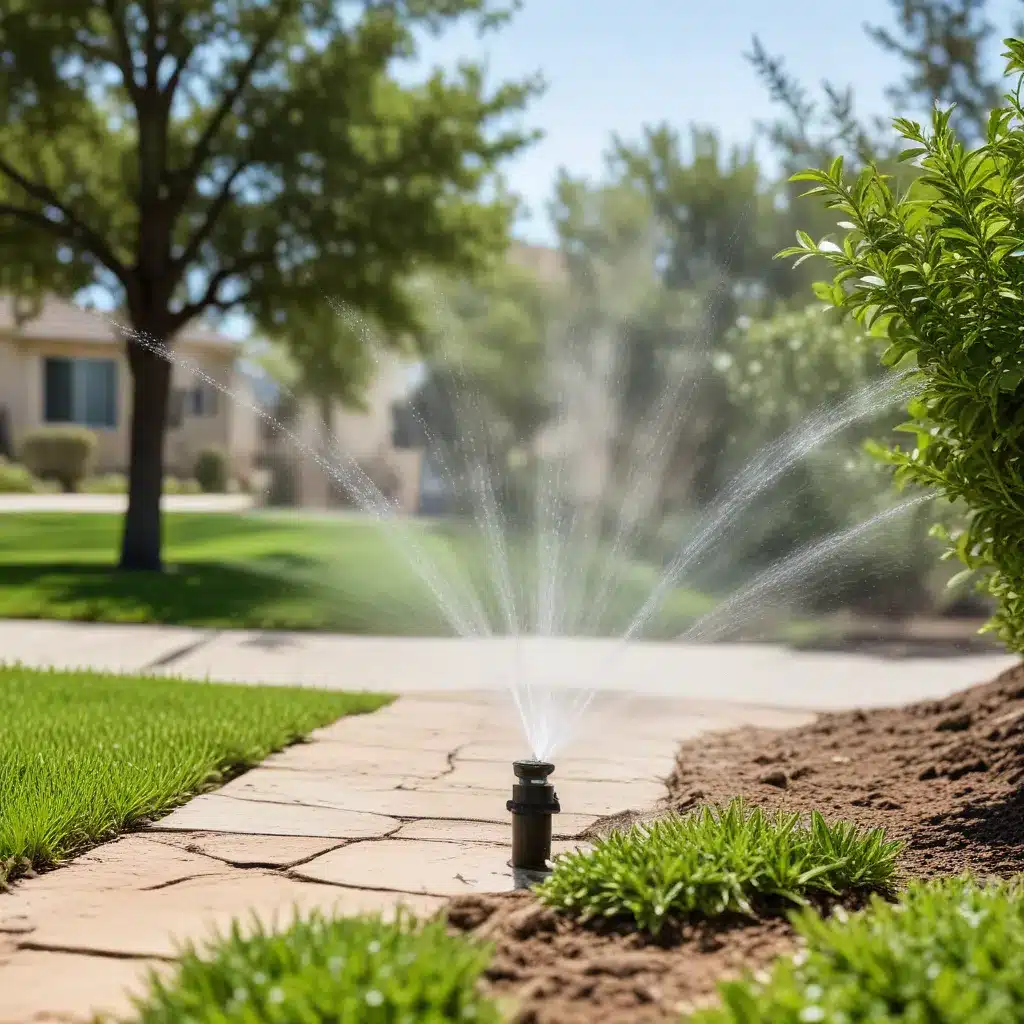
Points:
[[201, 157]]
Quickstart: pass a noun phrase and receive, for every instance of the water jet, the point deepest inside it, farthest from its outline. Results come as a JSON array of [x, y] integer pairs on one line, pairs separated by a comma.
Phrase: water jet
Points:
[[533, 802]]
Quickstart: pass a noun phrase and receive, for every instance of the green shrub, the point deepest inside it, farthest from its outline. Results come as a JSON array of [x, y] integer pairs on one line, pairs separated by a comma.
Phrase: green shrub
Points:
[[172, 485], [211, 471], [938, 271], [350, 970], [714, 862], [61, 453], [947, 953], [109, 483], [16, 479]]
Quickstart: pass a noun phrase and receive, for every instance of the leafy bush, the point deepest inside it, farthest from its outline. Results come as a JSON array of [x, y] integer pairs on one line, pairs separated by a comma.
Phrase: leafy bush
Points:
[[716, 861], [349, 970], [172, 485], [16, 479], [937, 271], [947, 953], [61, 453], [212, 471]]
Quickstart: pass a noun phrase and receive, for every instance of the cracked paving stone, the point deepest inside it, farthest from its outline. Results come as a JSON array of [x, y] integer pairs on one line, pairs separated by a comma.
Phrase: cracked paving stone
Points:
[[450, 831], [268, 784], [245, 851], [215, 812], [155, 923], [36, 985], [361, 760], [416, 866]]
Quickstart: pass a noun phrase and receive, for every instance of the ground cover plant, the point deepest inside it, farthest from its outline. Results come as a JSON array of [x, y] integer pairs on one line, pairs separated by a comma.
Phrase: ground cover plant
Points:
[[948, 953], [716, 861], [266, 571], [936, 271], [357, 970], [85, 755]]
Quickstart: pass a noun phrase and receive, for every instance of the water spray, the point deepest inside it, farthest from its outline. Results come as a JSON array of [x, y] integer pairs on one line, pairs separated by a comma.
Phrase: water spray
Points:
[[533, 802]]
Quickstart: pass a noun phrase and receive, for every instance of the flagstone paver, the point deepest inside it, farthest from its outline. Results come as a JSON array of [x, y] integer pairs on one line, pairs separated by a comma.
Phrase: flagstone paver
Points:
[[403, 806]]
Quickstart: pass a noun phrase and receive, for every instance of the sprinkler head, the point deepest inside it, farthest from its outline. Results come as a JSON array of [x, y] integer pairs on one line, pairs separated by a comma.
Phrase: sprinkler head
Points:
[[533, 802]]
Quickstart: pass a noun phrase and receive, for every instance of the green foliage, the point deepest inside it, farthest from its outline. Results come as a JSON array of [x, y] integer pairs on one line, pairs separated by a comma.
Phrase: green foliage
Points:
[[15, 479], [785, 367], [487, 357], [59, 453], [346, 970], [117, 483], [85, 755], [717, 861], [197, 158], [948, 952], [108, 483], [211, 471], [937, 272]]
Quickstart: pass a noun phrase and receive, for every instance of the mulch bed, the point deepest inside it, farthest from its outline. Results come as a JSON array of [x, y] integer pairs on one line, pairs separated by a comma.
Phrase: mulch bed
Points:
[[943, 776]]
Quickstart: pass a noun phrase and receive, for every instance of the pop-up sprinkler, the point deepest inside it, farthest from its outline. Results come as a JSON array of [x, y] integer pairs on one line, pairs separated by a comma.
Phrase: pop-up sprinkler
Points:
[[533, 802]]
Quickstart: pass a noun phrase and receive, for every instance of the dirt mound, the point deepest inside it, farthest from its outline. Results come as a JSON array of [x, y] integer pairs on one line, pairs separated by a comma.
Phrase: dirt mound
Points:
[[555, 972], [944, 776]]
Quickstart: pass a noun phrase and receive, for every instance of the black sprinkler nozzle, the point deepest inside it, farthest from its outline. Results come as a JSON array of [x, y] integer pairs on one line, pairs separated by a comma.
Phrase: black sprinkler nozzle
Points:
[[533, 802]]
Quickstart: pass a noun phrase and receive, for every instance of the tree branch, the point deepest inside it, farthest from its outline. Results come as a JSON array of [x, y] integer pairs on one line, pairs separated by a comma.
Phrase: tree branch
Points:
[[210, 298], [213, 212], [73, 227], [204, 146], [115, 12]]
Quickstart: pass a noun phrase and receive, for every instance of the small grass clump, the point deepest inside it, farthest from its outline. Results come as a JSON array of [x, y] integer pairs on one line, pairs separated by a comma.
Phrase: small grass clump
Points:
[[717, 861], [356, 970], [85, 755], [949, 952]]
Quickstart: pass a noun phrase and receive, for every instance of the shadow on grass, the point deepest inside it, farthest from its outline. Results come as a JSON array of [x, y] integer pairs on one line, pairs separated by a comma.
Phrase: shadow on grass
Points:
[[278, 593]]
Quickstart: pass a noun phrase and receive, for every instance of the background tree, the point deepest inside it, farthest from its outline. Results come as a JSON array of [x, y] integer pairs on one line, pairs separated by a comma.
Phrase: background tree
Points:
[[199, 157], [948, 48]]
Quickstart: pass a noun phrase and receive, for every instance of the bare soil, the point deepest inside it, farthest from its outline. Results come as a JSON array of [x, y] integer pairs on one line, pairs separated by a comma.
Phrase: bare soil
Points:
[[943, 776]]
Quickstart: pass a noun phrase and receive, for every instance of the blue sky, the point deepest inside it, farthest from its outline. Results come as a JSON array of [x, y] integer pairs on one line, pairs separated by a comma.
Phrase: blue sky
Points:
[[611, 67]]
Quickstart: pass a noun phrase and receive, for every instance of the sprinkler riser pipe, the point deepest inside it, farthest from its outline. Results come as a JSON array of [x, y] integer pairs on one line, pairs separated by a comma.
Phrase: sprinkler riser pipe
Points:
[[533, 803]]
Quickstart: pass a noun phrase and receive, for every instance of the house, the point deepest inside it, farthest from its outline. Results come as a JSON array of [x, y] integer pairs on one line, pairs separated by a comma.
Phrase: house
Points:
[[68, 365], [359, 443]]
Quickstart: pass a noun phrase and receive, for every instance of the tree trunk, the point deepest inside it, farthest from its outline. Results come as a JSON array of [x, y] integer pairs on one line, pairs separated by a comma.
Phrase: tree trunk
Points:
[[142, 536]]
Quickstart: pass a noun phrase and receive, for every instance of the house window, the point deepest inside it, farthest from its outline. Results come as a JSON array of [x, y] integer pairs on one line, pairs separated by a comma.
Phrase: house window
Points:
[[202, 400], [81, 391]]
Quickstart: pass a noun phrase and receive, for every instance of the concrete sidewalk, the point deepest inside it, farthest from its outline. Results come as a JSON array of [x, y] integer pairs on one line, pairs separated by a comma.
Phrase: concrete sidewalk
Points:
[[116, 503], [406, 806], [753, 674]]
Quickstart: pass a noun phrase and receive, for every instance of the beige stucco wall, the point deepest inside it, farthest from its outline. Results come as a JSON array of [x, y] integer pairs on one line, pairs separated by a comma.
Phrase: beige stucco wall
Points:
[[21, 391], [359, 436]]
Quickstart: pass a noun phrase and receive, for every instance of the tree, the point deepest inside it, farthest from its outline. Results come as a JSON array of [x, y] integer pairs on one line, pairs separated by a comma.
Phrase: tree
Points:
[[485, 340], [325, 355], [944, 45], [200, 157]]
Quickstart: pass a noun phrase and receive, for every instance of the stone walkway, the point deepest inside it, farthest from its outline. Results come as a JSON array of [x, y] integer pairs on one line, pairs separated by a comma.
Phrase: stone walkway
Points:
[[403, 806]]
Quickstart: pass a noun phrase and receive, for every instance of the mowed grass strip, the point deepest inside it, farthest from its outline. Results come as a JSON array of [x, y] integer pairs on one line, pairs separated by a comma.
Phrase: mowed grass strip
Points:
[[717, 861], [279, 571], [86, 755]]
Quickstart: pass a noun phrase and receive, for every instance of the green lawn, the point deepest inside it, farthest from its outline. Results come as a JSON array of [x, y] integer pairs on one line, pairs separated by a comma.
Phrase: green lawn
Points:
[[266, 572], [84, 756]]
